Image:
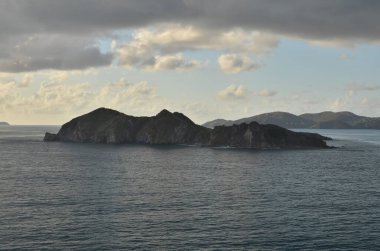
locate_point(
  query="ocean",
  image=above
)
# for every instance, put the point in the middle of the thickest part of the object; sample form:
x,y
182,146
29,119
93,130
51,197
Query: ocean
x,y
65,196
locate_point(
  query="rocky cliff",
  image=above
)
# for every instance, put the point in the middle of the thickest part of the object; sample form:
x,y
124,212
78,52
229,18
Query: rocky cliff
x,y
109,126
258,136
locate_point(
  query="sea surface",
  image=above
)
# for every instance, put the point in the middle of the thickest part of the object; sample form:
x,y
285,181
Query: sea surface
x,y
66,196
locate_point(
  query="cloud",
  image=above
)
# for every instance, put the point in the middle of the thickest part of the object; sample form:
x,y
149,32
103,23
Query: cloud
x,y
265,93
26,80
145,59
40,52
356,88
334,43
122,92
232,63
173,38
233,92
161,48
350,100
49,99
56,34
344,19
176,62
53,102
58,76
6,89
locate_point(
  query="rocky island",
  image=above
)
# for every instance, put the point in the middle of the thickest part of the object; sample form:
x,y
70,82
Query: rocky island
x,y
112,127
4,123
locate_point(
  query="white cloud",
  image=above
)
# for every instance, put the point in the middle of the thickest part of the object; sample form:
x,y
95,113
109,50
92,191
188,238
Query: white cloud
x,y
26,80
356,88
233,92
174,62
58,76
54,102
174,38
145,58
266,93
7,88
131,98
351,100
123,93
232,63
161,48
50,99
338,104
333,43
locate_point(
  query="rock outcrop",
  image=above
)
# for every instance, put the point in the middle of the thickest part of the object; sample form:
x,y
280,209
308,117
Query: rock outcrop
x,y
258,136
109,126
172,128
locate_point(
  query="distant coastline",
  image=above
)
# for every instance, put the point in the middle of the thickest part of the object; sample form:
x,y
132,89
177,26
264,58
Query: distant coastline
x,y
4,124
323,120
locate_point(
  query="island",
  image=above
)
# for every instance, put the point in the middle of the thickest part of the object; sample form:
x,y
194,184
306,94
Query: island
x,y
108,126
323,120
4,123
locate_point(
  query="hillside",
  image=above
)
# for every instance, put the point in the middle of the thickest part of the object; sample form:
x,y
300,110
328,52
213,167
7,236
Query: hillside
x,y
323,120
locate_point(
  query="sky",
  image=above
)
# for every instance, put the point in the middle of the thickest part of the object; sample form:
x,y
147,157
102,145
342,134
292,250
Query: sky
x,y
205,58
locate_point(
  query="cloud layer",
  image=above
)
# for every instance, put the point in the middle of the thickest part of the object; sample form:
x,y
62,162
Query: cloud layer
x,y
56,34
306,18
56,101
161,48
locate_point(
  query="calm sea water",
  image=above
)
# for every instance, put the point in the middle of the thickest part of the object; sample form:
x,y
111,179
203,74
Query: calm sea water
x,y
108,197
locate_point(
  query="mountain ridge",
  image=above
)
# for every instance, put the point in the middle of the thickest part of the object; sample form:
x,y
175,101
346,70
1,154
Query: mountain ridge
x,y
322,120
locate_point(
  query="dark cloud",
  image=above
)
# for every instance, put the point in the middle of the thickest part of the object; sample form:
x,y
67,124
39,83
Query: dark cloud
x,y
71,61
333,18
344,20
51,51
90,16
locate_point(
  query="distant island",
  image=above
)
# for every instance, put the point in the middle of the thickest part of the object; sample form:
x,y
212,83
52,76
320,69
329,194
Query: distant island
x,y
4,124
112,127
323,120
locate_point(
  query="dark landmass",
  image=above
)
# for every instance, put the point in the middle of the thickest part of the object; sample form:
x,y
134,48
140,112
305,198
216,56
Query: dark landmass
x,y
4,124
258,136
109,126
323,120
112,127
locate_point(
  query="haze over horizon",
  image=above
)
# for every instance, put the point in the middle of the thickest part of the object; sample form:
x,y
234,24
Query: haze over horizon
x,y
207,59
